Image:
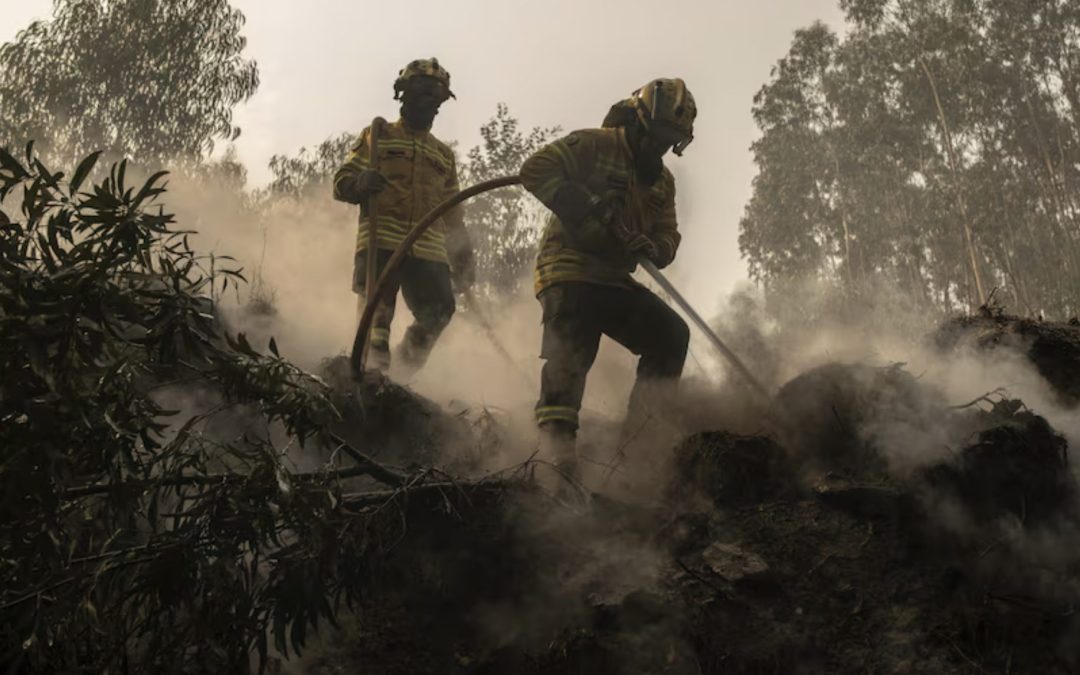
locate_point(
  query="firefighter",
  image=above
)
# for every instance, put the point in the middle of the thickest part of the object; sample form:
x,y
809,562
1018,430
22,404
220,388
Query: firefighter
x,y
416,171
613,203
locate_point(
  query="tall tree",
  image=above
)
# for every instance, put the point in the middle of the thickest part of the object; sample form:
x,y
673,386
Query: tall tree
x,y
153,80
934,149
505,224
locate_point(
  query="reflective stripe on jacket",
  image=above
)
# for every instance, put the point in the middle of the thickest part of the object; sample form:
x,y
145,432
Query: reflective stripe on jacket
x,y
598,161
421,172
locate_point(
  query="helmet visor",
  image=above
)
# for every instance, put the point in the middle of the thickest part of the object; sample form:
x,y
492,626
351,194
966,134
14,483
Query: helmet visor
x,y
681,145
670,135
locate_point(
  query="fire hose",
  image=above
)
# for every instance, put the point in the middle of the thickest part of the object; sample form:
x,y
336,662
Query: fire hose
x,y
372,215
357,358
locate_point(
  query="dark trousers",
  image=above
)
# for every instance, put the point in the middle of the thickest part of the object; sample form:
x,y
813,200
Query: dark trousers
x,y
428,294
576,314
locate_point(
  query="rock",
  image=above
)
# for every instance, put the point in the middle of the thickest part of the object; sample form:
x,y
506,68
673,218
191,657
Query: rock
x,y
733,563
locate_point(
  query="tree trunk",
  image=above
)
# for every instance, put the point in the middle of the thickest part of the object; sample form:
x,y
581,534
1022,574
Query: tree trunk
x,y
969,239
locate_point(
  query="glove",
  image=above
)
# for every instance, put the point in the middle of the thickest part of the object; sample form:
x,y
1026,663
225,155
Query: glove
x,y
573,203
371,182
641,246
610,208
357,189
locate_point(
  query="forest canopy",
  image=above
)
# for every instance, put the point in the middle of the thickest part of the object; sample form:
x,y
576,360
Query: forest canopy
x,y
934,149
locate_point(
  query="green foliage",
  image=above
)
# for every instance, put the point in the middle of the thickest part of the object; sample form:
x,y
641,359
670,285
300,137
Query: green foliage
x,y
310,170
134,536
935,149
149,80
505,224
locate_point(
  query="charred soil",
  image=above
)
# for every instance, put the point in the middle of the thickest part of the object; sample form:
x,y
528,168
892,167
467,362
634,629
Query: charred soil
x,y
804,551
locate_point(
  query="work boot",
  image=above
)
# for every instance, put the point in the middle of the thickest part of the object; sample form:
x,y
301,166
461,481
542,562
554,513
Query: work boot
x,y
409,359
557,445
413,351
378,350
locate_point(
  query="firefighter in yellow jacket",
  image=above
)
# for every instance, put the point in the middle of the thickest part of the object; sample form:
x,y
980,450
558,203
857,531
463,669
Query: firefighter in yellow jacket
x,y
613,202
416,171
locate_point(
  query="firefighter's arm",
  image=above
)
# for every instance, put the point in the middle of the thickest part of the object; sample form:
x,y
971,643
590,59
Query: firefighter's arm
x,y
356,181
553,175
459,246
665,234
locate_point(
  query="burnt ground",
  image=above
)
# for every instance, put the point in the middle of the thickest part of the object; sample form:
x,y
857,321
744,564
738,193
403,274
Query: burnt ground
x,y
804,551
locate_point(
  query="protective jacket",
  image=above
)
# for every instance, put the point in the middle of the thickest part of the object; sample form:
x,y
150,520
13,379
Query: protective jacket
x,y
600,162
421,172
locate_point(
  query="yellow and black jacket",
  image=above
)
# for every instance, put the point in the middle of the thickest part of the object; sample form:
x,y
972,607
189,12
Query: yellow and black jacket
x,y
421,172
600,162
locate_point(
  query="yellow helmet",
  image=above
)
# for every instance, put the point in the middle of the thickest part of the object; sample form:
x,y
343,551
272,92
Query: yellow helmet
x,y
667,105
423,68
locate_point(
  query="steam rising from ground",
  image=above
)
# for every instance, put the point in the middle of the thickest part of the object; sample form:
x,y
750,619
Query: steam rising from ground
x,y
887,331
298,255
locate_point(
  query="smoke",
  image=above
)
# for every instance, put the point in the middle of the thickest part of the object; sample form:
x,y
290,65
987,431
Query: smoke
x,y
783,338
298,257
297,254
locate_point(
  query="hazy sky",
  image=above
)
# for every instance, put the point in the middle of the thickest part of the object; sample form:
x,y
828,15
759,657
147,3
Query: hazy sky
x,y
328,66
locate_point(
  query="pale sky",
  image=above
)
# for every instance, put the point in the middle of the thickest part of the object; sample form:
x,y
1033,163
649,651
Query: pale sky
x,y
328,66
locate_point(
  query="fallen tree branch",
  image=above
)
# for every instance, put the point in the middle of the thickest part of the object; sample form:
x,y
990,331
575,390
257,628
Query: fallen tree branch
x,y
985,398
367,467
375,470
381,497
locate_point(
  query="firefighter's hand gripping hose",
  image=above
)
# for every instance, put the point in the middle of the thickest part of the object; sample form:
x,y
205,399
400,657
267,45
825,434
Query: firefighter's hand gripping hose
x,y
380,287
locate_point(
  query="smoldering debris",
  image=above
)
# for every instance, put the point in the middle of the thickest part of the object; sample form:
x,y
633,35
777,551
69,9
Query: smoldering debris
x,y
733,469
1052,347
844,417
1017,464
837,543
385,419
